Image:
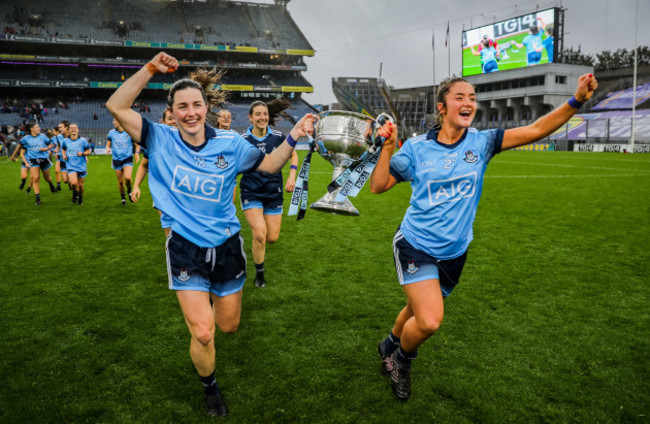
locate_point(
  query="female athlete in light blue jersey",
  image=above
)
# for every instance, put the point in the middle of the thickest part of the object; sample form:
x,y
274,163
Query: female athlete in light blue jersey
x,y
75,153
445,168
489,56
35,150
261,193
120,146
192,174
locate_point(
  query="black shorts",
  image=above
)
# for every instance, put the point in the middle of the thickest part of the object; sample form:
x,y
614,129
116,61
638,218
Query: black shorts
x,y
44,164
119,164
220,270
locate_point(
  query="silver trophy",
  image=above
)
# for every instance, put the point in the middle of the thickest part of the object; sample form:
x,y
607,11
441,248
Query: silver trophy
x,y
342,138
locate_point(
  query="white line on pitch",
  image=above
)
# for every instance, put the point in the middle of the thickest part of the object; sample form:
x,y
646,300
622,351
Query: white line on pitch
x,y
567,176
570,166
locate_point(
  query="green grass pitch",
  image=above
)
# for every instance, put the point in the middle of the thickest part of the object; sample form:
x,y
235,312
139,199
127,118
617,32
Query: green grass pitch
x,y
549,323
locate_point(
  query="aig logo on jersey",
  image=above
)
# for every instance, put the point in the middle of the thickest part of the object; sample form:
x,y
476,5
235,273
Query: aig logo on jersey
x,y
452,190
199,185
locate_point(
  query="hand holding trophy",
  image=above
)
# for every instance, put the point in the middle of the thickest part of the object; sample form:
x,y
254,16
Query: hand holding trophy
x,y
350,142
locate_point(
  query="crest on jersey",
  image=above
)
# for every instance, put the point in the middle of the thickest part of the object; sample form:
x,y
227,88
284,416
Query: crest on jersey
x,y
221,162
183,276
412,269
470,157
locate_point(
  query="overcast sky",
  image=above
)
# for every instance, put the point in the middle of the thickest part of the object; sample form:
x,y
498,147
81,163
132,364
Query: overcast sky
x,y
353,37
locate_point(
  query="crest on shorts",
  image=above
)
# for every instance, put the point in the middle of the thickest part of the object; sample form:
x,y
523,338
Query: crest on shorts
x,y
221,162
412,269
470,157
183,276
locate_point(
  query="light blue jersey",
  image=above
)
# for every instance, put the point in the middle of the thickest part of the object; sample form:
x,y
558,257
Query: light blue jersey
x,y
533,43
446,182
71,147
489,59
121,144
548,45
193,186
32,146
58,139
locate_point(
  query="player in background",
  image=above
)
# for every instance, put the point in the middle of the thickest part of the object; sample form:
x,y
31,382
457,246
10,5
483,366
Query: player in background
x,y
260,192
489,56
35,150
120,146
64,133
75,151
57,154
533,44
24,170
445,168
548,43
224,119
192,168
167,119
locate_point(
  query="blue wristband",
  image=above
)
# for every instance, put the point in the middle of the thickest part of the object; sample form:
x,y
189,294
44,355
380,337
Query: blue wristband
x,y
294,167
291,141
574,103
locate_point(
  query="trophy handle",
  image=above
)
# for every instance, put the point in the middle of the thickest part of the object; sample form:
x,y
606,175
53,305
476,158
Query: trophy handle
x,y
378,140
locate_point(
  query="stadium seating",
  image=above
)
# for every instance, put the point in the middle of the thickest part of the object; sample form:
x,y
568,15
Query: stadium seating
x,y
214,23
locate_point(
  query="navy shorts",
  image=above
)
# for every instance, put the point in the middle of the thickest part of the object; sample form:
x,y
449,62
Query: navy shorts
x,y
80,174
534,58
220,270
271,206
119,164
413,265
44,164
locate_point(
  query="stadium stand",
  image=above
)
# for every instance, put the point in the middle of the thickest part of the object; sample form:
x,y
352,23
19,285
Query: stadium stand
x,y
68,63
622,99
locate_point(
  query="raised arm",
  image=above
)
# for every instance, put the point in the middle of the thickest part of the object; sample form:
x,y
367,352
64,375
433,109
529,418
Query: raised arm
x,y
380,179
274,161
553,120
119,104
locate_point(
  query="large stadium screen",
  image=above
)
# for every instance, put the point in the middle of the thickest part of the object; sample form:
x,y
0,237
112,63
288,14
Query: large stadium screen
x,y
514,43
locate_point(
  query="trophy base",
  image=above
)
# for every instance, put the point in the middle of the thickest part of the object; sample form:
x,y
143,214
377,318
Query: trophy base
x,y
327,204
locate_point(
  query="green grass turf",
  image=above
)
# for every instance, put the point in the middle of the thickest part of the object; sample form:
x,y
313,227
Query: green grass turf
x,y
549,324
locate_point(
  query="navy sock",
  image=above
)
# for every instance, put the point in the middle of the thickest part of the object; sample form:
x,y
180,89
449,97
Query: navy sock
x,y
259,268
390,344
210,384
404,358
